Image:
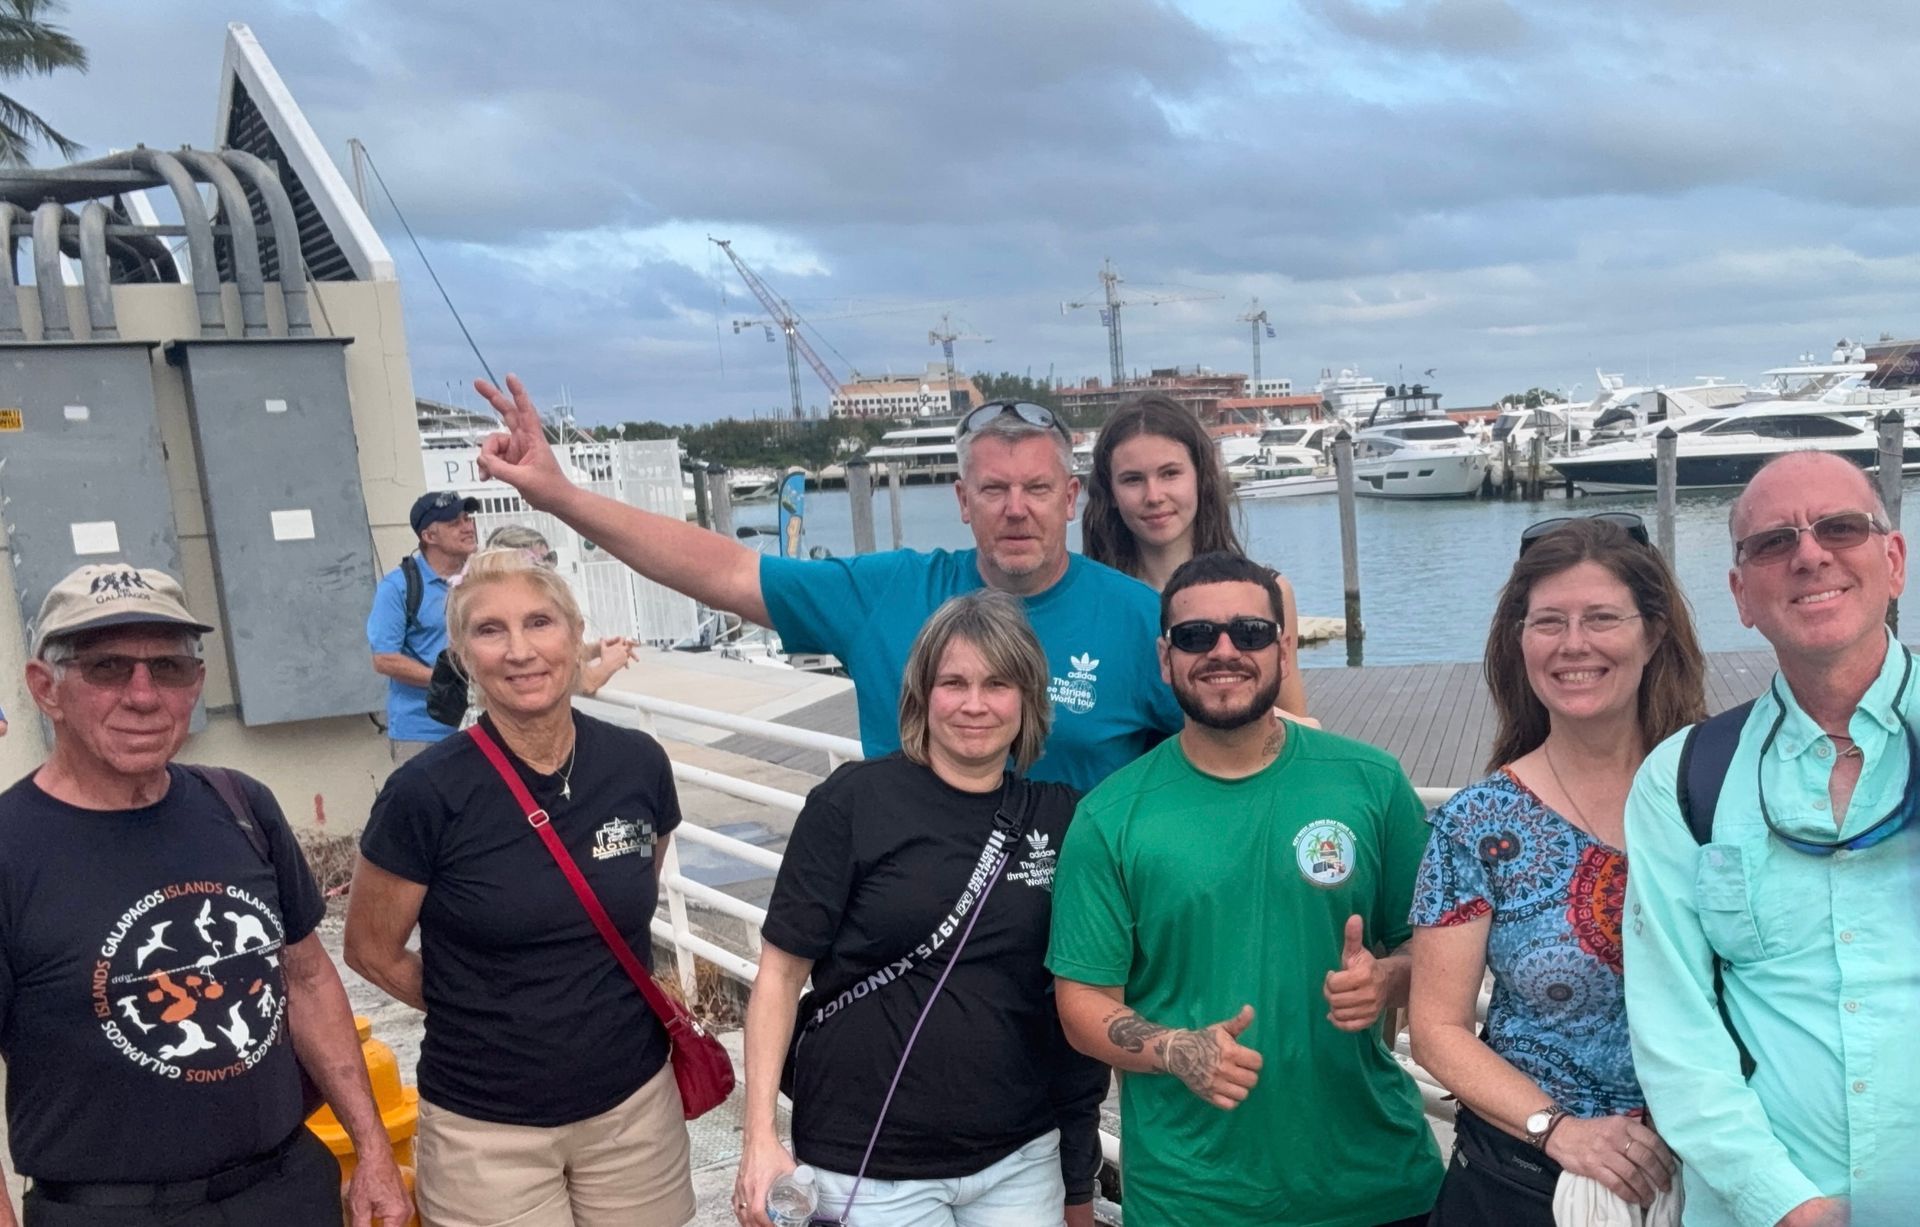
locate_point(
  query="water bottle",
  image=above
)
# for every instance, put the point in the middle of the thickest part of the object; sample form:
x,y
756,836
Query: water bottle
x,y
793,1198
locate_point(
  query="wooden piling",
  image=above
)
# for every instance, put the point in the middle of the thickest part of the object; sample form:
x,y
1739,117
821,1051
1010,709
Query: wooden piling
x,y
893,503
1349,542
1893,455
702,515
1666,483
860,502
1536,466
720,499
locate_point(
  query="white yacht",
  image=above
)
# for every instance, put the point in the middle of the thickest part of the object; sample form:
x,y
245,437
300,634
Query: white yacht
x,y
923,453
1349,394
1291,461
1807,407
1407,448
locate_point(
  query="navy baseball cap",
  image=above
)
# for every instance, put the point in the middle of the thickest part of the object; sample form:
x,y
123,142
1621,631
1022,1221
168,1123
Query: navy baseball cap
x,y
437,506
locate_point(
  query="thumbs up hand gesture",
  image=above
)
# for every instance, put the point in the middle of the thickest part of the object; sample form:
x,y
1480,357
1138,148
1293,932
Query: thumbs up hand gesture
x,y
1356,990
1213,1062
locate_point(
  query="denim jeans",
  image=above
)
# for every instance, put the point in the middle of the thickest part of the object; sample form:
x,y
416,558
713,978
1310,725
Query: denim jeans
x,y
1025,1189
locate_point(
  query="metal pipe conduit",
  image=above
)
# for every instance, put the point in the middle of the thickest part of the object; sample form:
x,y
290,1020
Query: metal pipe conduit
x,y
96,269
10,325
206,273
286,236
243,239
48,282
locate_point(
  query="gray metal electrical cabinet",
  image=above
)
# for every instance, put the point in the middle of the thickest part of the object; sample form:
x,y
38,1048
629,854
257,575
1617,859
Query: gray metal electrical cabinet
x,y
292,551
82,472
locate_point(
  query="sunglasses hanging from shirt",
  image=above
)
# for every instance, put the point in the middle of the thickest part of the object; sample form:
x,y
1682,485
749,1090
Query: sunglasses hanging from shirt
x,y
1897,820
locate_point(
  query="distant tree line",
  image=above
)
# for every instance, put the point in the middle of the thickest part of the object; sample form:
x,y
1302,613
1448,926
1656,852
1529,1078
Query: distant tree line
x,y
1009,386
762,443
1532,398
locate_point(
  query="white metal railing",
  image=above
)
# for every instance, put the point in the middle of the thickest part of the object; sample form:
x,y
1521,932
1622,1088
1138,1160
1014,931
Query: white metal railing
x,y
678,890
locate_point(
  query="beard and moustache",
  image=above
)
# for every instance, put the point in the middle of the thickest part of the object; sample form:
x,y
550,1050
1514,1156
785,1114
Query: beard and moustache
x,y
1190,700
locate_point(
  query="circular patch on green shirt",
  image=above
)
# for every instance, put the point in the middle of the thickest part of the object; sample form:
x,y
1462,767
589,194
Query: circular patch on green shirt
x,y
1324,851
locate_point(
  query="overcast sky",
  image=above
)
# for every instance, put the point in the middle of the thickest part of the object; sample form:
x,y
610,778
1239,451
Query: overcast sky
x,y
1509,193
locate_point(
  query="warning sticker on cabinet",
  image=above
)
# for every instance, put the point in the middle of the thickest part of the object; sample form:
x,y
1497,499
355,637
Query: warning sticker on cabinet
x,y
10,419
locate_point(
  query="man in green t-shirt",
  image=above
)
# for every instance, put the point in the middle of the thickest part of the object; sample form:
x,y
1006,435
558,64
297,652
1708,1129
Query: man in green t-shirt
x,y
1217,911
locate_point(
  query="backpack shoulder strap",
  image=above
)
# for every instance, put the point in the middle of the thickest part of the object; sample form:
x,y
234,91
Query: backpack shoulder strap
x,y
226,782
416,592
1704,758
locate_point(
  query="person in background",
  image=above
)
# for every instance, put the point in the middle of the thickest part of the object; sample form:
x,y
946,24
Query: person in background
x,y
1016,492
545,1095
1786,931
996,1121
407,626
162,981
1591,660
1235,901
1158,496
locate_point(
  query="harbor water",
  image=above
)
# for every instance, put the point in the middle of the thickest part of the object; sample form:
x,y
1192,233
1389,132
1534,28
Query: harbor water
x,y
1429,571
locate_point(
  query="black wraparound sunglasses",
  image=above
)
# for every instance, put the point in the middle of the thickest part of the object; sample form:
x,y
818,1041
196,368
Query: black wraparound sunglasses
x,y
1635,527
1246,634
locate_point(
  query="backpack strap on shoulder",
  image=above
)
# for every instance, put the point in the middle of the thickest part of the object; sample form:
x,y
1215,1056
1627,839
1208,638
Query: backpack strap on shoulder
x,y
226,782
1705,756
416,592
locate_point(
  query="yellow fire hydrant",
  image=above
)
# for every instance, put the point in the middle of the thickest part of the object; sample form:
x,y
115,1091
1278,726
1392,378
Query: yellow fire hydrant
x,y
399,1112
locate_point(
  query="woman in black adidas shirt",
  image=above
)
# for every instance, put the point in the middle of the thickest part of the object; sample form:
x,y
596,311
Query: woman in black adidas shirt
x,y
995,1119
545,1096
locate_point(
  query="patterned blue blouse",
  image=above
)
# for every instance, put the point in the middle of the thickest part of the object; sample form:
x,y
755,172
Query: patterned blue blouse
x,y
1555,892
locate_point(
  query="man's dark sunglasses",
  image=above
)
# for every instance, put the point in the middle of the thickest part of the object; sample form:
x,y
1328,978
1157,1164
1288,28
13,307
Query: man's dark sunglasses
x,y
1246,634
1025,410
112,671
1635,527
1844,530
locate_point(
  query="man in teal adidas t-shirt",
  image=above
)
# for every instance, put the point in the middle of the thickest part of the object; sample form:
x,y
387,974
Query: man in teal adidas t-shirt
x,y
1016,492
1227,917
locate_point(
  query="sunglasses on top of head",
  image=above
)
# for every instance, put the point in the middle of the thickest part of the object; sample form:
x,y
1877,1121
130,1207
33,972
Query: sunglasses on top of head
x,y
1634,526
1843,530
1247,634
1026,411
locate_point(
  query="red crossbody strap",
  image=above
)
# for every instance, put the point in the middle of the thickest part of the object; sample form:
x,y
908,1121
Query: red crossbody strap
x,y
543,827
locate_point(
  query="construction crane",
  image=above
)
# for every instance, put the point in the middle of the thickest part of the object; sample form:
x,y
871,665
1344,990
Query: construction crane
x,y
788,322
944,337
1110,311
1256,319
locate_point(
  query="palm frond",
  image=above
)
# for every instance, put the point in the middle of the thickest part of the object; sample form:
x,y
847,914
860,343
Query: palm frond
x,y
21,130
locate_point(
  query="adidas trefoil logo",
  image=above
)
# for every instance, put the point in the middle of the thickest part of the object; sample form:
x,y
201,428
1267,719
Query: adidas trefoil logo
x,y
1084,663
1037,840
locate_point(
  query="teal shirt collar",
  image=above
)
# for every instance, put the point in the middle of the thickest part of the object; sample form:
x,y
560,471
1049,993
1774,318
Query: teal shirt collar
x,y
1799,733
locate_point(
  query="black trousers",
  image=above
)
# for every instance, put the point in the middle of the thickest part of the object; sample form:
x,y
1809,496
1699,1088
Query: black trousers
x,y
303,1192
1494,1178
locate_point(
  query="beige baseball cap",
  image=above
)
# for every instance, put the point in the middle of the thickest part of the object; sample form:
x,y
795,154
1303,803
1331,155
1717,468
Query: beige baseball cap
x,y
112,594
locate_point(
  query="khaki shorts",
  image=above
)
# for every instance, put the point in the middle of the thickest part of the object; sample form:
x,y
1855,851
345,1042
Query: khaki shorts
x,y
623,1168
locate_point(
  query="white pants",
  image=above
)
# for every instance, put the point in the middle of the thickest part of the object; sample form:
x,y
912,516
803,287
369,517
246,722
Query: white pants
x,y
1025,1189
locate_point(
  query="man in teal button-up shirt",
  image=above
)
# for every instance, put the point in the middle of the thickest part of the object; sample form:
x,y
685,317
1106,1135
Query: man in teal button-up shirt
x,y
1821,948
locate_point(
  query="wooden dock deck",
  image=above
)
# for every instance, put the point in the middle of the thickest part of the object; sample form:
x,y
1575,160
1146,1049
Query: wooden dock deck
x,y
1436,719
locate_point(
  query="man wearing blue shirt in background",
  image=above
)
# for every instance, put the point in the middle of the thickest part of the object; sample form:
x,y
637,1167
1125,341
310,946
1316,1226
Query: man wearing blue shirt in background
x,y
1017,493
1803,902
407,627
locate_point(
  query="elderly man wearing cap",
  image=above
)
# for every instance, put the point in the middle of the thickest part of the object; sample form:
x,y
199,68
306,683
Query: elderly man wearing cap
x,y
407,627
161,982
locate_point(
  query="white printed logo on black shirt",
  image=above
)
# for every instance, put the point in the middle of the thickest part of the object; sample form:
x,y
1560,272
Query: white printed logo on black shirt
x,y
618,837
187,984
1035,866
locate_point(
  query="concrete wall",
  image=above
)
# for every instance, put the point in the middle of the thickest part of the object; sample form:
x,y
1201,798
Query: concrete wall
x,y
325,772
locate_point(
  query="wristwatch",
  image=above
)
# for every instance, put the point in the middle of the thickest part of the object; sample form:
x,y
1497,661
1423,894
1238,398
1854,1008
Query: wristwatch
x,y
1540,1124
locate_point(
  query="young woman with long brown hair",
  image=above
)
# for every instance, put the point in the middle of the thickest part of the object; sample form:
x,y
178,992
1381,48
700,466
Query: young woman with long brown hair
x,y
1159,496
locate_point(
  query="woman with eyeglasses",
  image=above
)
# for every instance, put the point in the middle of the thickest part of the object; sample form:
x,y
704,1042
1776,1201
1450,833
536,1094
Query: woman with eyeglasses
x,y
1158,496
1591,660
916,893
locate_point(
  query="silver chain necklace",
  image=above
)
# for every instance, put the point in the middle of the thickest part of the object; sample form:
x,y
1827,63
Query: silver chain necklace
x,y
566,772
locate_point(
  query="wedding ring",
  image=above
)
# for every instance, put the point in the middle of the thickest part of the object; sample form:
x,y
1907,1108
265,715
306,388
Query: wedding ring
x,y
1631,1143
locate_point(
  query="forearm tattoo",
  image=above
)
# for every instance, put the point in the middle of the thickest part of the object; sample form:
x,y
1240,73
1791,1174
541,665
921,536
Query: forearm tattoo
x,y
1192,1056
1129,1032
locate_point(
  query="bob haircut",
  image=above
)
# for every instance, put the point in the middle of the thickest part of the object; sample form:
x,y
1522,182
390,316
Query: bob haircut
x,y
1105,537
1673,687
500,566
1222,567
997,627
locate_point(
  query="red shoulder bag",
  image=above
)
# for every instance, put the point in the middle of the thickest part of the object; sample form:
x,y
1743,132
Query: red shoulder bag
x,y
701,1066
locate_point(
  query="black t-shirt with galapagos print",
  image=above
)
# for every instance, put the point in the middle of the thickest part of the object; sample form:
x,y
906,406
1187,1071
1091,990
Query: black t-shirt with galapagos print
x,y
142,997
